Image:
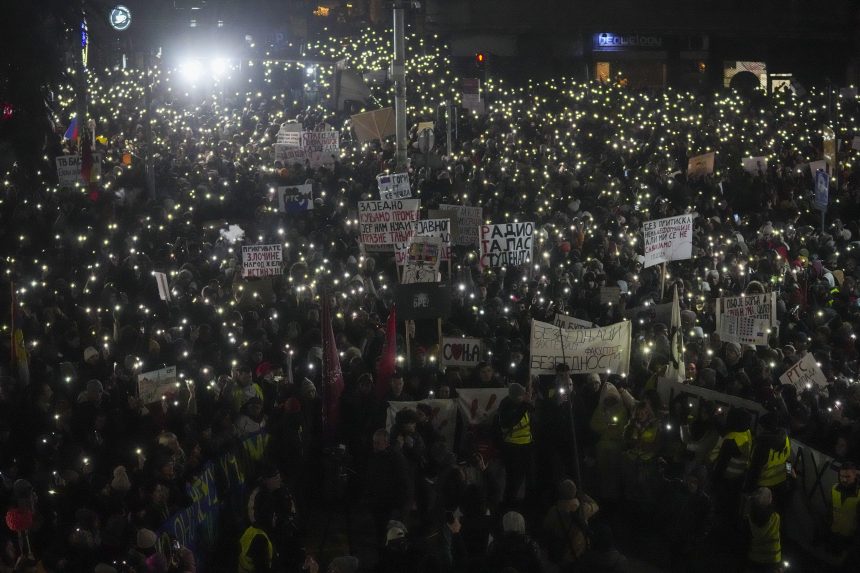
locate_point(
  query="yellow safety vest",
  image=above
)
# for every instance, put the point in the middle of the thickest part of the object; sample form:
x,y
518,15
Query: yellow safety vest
x,y
844,512
521,434
737,465
773,472
765,546
646,439
245,563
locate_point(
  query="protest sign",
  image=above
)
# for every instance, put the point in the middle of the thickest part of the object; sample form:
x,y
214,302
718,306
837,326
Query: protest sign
x,y
443,416
286,155
566,321
669,239
296,199
394,186
376,124
423,300
653,313
385,223
755,165
413,273
804,374
744,330
320,147
822,191
262,260
817,165
424,251
855,143
506,244
828,145
438,228
479,405
163,288
453,222
290,134
457,351
701,165
152,386
69,169
600,350
468,221
762,306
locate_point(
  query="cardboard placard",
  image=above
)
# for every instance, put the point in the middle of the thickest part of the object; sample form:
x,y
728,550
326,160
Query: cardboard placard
x,y
506,244
468,221
394,186
804,374
262,260
152,386
296,199
457,351
385,223
669,239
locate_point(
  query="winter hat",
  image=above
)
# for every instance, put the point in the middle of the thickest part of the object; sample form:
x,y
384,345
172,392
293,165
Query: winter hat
x,y
90,352
515,391
513,521
146,539
566,490
396,530
120,481
95,386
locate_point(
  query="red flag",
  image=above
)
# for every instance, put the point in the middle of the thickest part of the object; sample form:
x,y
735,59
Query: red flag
x,y
388,360
332,376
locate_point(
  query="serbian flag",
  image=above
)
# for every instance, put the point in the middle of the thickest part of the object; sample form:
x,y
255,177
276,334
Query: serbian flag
x,y
72,132
387,361
332,376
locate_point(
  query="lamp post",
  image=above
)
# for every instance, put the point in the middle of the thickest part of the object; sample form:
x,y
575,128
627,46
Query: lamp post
x,y
398,73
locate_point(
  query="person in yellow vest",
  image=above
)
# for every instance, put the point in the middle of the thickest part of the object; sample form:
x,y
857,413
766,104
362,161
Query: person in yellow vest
x,y
256,550
515,419
845,508
770,464
764,553
729,460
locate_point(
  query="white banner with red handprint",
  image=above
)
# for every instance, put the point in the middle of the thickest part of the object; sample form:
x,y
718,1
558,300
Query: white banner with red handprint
x,y
443,416
478,405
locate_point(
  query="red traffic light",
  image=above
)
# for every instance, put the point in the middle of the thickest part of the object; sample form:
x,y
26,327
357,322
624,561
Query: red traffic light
x,y
480,58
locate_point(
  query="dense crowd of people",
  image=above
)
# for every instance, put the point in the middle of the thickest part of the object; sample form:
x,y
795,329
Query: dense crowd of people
x,y
90,473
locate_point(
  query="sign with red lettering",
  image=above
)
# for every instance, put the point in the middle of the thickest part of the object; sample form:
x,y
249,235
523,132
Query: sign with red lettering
x,y
382,224
262,260
457,351
669,239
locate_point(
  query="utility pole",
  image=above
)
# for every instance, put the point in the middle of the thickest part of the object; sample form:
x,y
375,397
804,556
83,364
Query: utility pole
x,y
398,73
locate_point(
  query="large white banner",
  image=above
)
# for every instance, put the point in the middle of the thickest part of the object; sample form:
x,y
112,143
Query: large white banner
x,y
386,223
468,221
457,351
669,239
804,374
478,405
394,186
152,386
443,416
600,350
288,156
506,244
262,260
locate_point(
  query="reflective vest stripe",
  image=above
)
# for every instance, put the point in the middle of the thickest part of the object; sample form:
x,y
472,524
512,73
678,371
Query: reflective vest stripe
x,y
844,512
246,565
773,473
521,434
765,546
738,465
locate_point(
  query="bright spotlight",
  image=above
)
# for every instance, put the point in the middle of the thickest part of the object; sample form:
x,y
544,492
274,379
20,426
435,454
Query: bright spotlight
x,y
219,67
191,70
309,70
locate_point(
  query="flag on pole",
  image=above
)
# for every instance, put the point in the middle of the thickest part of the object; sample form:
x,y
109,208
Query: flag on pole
x,y
676,370
72,131
388,360
332,378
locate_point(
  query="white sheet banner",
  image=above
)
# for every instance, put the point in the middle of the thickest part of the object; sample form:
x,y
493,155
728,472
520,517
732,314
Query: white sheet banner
x,y
288,156
386,223
457,351
506,244
262,260
479,405
804,374
600,350
669,239
394,186
762,306
443,416
468,221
